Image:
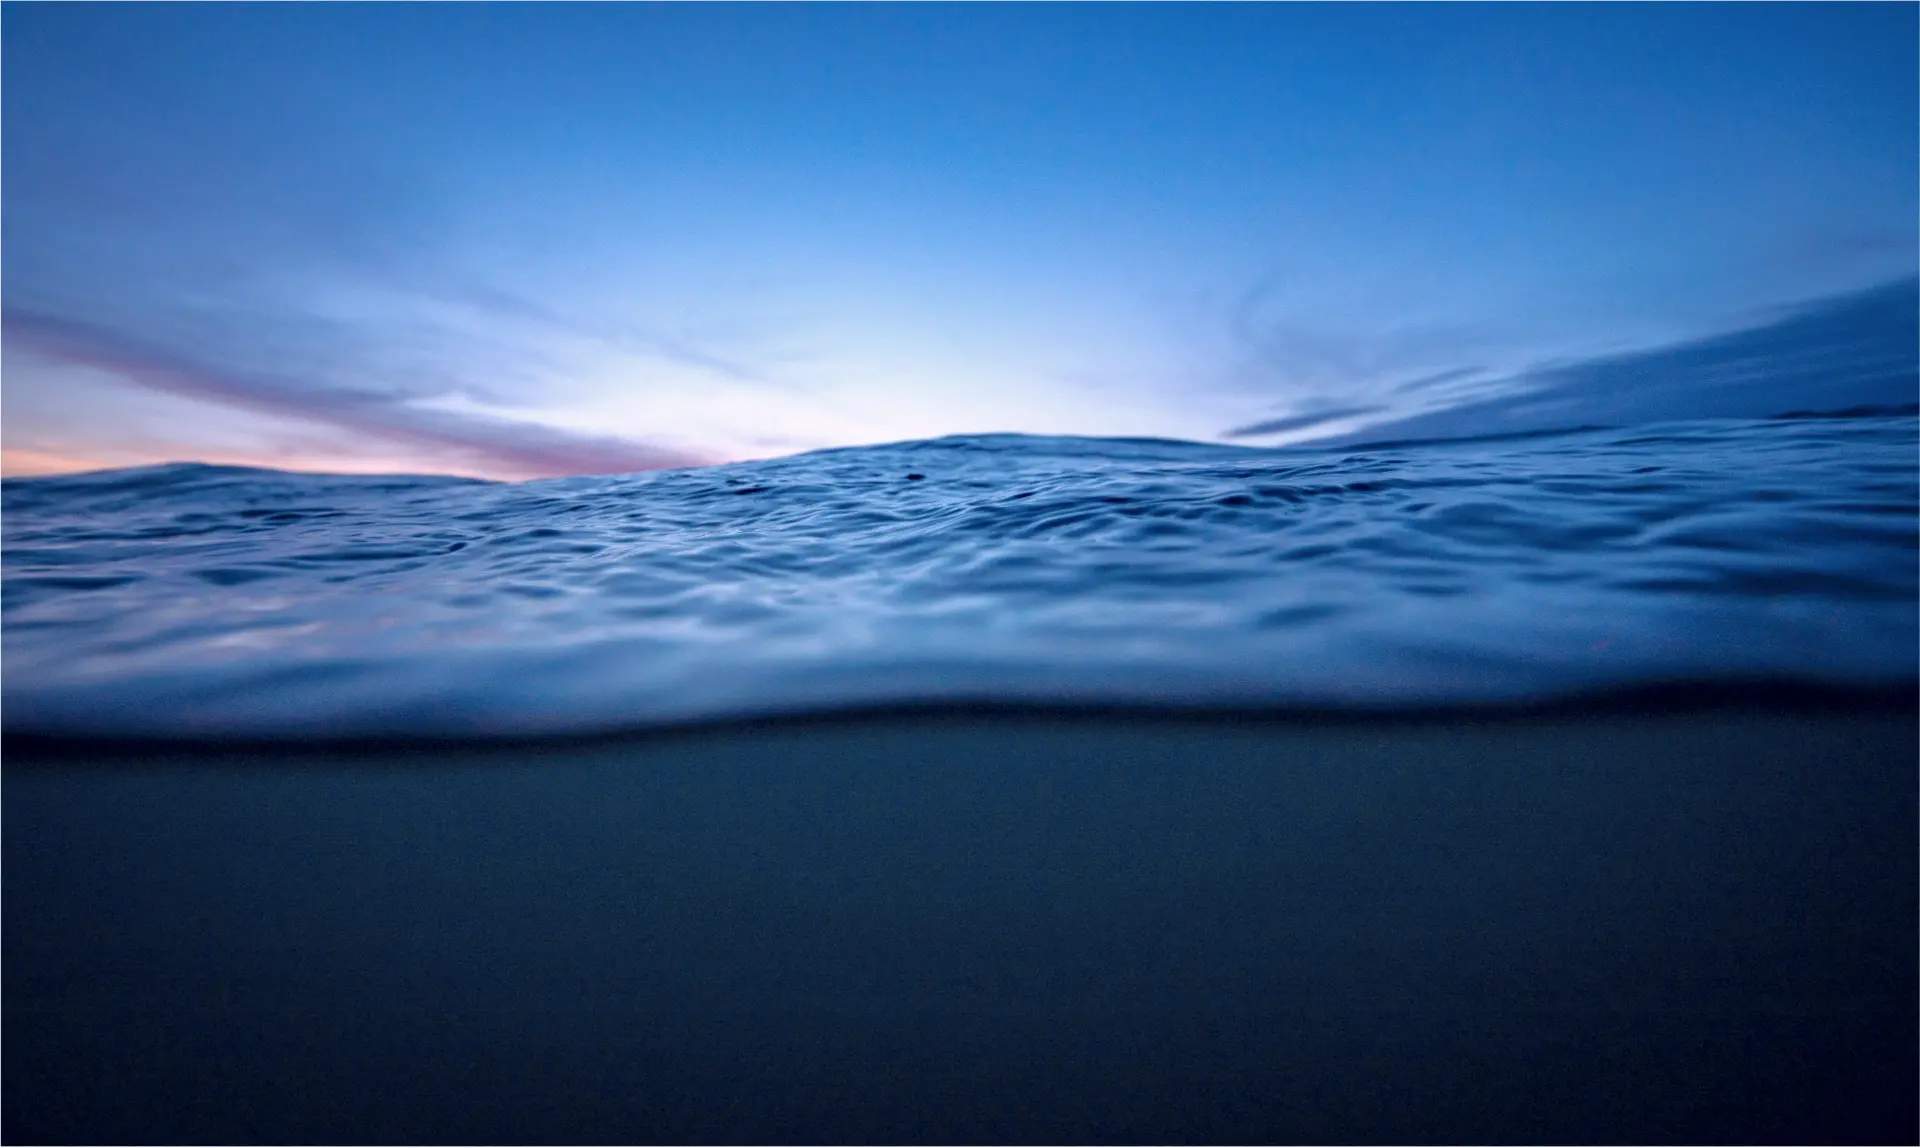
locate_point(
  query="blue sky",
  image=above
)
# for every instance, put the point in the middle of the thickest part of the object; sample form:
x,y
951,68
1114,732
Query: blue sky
x,y
515,240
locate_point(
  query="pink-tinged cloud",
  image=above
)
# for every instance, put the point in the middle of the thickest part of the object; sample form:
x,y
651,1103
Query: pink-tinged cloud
x,y
23,462
428,440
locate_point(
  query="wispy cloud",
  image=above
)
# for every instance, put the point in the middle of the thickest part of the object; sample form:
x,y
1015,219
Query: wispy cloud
x,y
1437,379
501,447
1857,349
628,337
286,259
1317,355
1298,422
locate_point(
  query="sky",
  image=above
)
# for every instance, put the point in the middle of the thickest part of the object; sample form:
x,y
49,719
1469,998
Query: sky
x,y
514,240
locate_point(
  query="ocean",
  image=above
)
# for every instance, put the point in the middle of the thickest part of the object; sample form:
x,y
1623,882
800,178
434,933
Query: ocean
x,y
214,602
1555,786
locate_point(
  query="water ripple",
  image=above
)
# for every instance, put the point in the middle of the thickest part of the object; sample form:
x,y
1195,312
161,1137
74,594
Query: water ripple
x,y
215,600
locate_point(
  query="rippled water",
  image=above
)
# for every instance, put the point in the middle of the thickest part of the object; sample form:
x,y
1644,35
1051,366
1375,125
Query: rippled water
x,y
213,601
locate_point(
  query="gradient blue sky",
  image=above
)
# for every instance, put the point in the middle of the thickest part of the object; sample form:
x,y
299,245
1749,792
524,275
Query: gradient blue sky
x,y
516,240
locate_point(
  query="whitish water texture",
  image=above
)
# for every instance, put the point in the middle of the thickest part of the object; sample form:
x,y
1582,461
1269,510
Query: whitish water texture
x,y
212,601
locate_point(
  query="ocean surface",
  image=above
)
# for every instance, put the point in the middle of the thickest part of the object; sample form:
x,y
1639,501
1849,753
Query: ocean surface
x,y
206,602
1553,787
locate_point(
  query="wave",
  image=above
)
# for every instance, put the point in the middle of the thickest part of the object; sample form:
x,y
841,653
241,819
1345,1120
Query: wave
x,y
223,602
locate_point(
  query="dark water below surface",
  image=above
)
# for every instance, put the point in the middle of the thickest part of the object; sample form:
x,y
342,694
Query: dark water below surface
x,y
1557,788
1678,927
192,601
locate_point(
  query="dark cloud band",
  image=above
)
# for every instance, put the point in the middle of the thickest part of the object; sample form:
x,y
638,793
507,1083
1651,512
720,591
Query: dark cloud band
x,y
500,446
